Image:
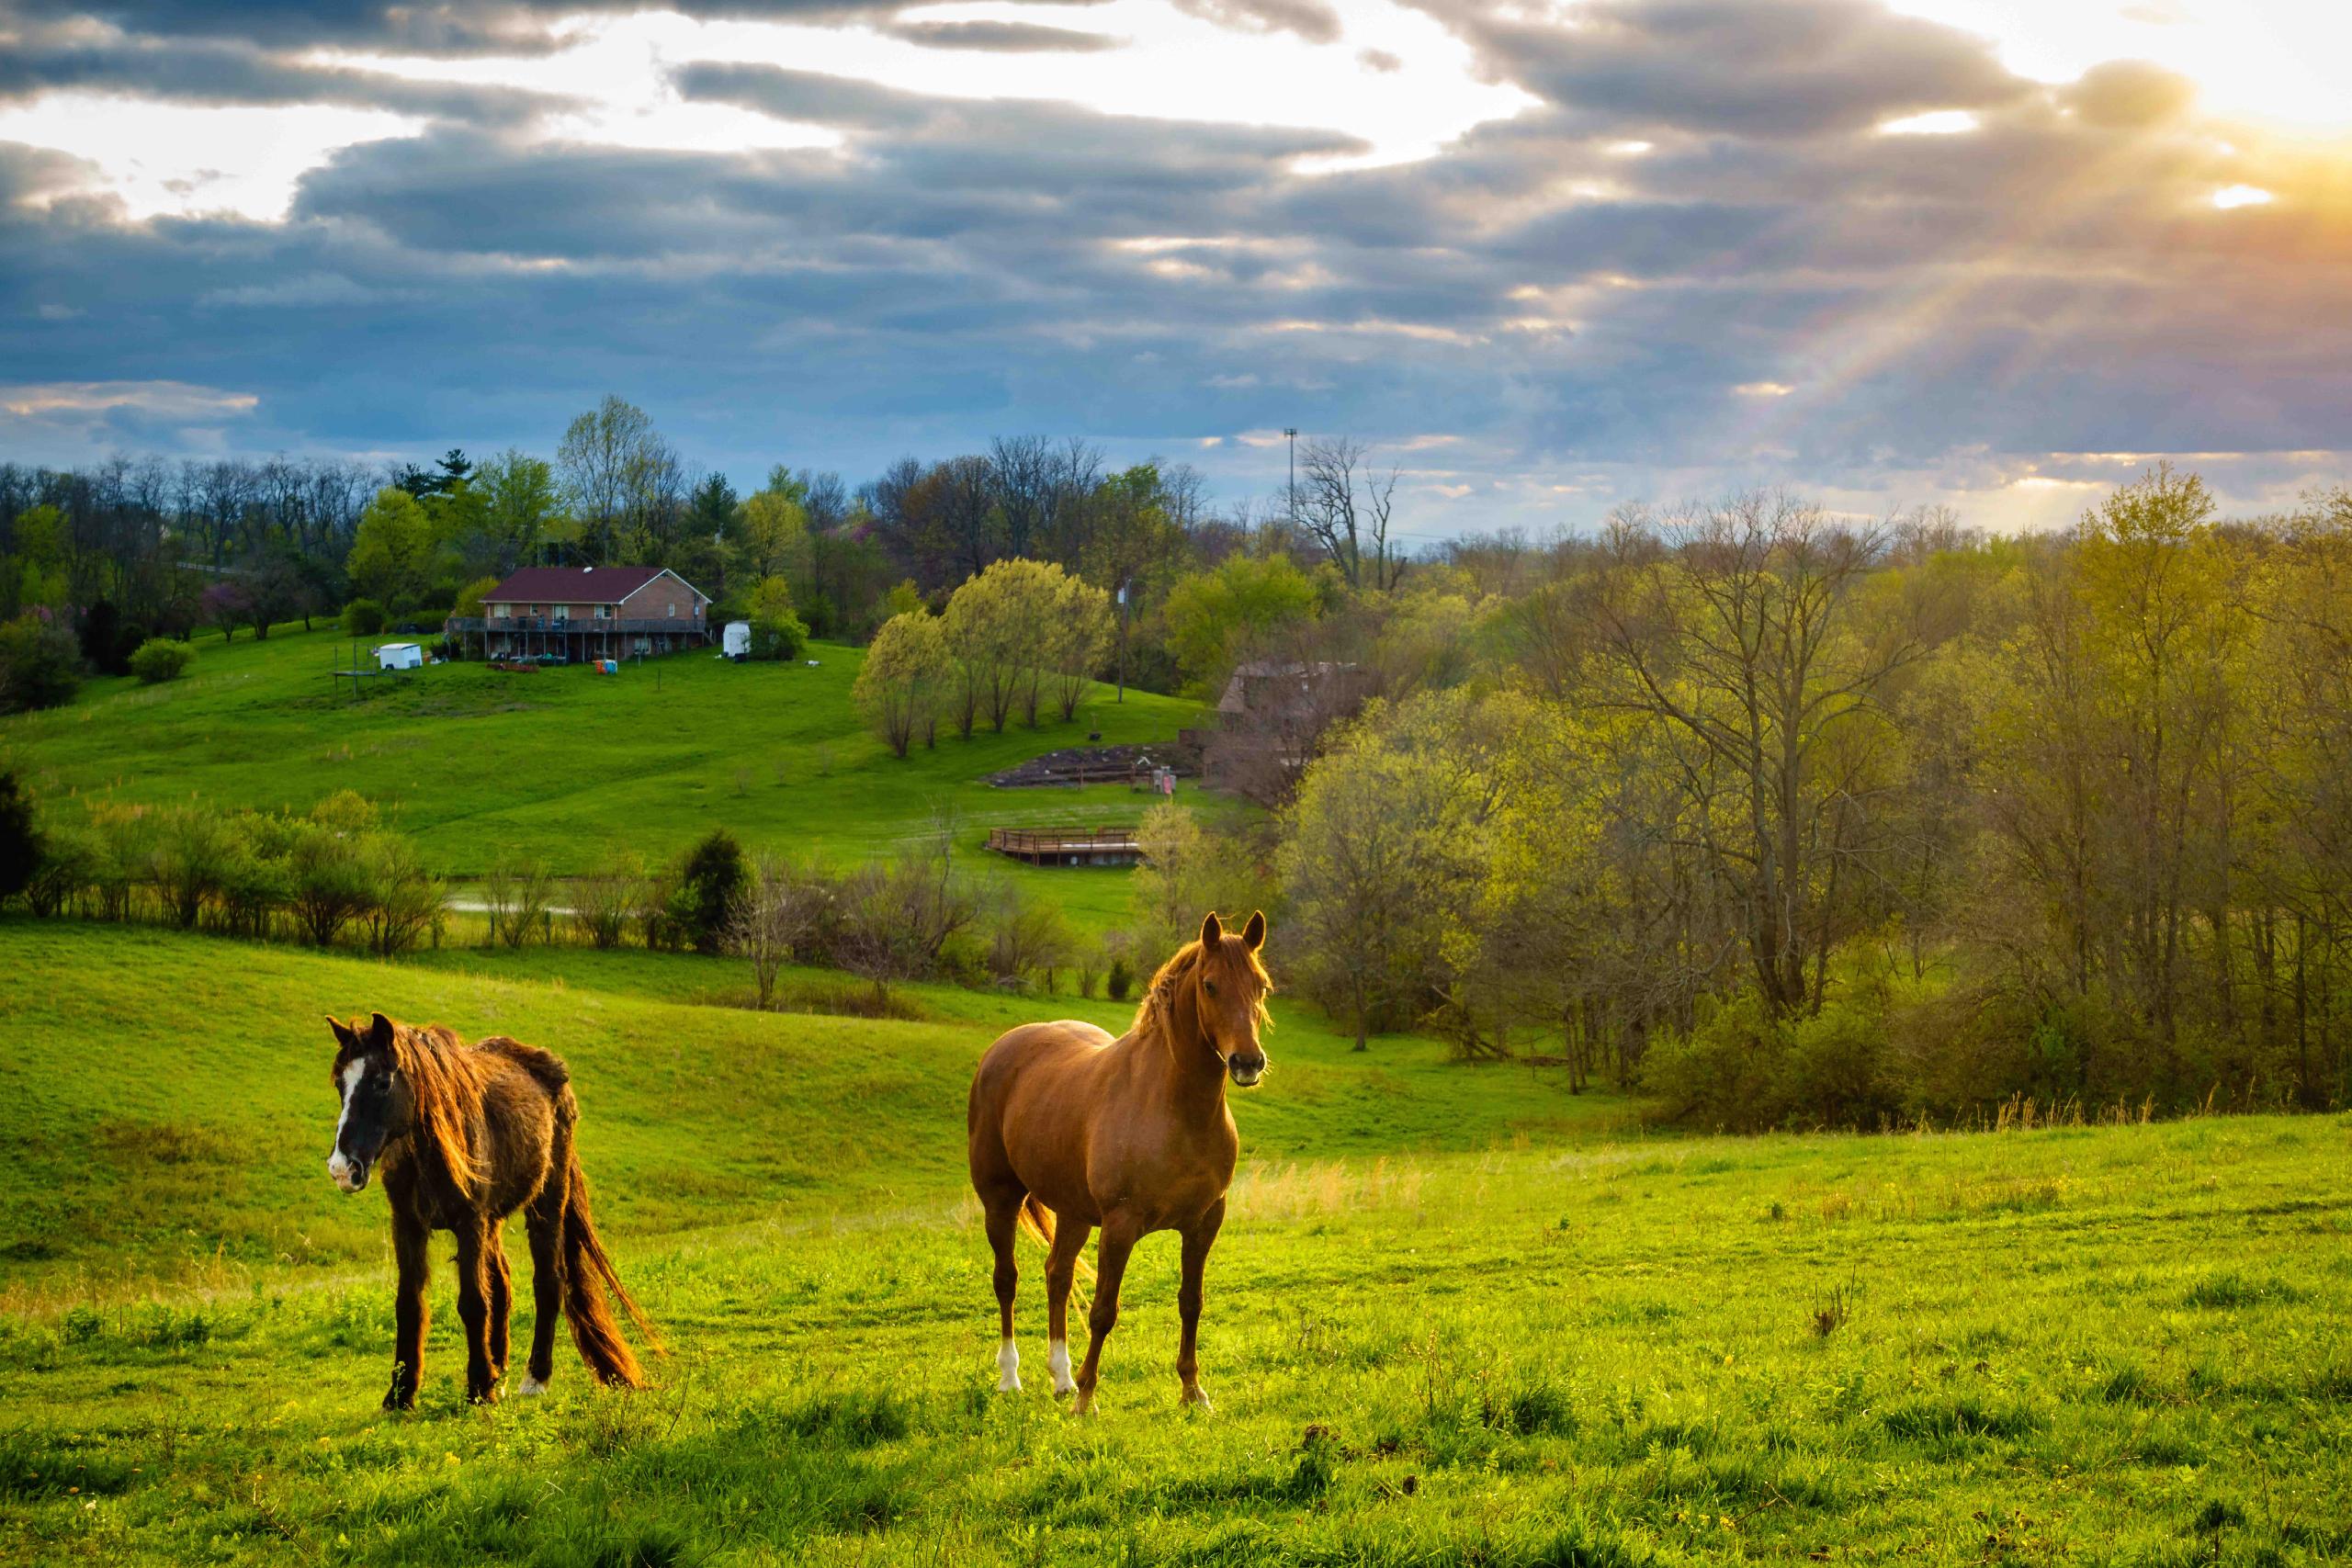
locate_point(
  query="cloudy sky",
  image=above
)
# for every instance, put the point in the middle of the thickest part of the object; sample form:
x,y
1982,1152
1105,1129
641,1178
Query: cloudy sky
x,y
1546,257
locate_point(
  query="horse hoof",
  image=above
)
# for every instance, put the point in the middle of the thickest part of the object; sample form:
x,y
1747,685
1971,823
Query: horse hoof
x,y
1083,1404
530,1387
1194,1399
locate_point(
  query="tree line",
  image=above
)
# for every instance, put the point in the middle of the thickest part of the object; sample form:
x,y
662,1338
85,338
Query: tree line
x,y
96,562
1795,820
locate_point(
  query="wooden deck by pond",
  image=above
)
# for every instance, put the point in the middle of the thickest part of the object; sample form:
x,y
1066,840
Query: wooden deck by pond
x,y
1067,846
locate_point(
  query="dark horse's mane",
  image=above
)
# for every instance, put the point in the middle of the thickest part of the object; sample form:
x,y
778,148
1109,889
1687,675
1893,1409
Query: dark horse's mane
x,y
446,1080
1160,997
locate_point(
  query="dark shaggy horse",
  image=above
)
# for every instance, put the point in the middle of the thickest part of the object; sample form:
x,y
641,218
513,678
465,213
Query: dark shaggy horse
x,y
1070,1129
464,1136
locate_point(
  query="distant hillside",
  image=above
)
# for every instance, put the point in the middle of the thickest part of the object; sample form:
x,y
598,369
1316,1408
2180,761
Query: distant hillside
x,y
562,764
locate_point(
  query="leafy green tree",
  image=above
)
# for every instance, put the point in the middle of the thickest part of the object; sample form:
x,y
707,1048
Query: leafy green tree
x,y
40,666
1212,616
522,507
905,681
391,556
778,631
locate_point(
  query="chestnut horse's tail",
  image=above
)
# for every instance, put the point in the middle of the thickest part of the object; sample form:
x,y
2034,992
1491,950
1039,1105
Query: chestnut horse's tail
x,y
1038,1221
588,1275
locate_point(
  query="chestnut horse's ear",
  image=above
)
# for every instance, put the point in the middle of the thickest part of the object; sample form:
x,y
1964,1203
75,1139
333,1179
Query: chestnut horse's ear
x,y
344,1036
1211,931
379,1032
1254,935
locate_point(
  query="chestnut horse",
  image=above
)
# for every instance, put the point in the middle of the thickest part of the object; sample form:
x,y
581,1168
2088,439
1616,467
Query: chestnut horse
x,y
466,1136
1070,1129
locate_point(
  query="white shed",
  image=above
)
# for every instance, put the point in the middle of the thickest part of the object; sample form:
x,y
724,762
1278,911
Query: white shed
x,y
400,656
738,639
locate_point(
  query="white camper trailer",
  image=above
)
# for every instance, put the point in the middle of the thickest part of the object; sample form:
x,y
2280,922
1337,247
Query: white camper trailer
x,y
738,639
400,656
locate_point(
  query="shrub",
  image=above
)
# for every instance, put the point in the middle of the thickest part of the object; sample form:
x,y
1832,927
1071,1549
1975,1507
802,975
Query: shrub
x,y
1121,980
782,636
20,839
363,618
710,879
160,659
40,666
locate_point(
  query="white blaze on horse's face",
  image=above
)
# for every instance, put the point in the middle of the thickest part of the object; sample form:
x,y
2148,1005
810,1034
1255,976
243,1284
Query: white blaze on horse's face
x,y
348,1175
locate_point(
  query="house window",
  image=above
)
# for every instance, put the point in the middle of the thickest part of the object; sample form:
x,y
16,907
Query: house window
x,y
673,609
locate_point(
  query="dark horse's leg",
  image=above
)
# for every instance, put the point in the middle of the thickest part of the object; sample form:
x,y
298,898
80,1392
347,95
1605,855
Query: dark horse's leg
x,y
543,1222
1198,1239
1004,1220
1120,1234
1061,1267
408,1239
502,1299
474,1307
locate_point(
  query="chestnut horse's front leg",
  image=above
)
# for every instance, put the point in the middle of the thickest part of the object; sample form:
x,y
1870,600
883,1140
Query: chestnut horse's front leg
x,y
473,1308
1198,1238
408,1239
1120,1234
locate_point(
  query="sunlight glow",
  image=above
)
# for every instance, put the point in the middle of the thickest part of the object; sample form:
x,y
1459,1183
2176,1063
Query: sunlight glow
x,y
1937,122
2274,62
2241,196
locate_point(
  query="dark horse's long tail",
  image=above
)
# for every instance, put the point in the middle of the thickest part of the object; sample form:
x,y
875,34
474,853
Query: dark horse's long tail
x,y
588,1275
1038,1221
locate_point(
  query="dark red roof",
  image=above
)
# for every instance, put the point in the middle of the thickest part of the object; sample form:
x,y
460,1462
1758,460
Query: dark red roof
x,y
573,584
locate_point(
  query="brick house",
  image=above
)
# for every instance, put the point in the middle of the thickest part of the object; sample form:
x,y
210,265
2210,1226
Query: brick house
x,y
587,612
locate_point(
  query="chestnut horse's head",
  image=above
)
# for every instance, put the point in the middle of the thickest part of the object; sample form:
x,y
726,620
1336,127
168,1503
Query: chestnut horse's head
x,y
379,1104
1229,988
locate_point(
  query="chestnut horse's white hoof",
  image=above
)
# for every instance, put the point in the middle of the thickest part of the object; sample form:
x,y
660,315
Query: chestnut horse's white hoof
x,y
1197,1398
1057,1358
530,1388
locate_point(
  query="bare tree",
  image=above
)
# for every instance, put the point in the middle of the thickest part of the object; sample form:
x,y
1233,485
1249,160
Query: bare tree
x,y
1344,507
778,909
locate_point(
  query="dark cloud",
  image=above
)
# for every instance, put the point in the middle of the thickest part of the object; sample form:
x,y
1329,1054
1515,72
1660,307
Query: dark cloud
x,y
206,72
1003,38
2056,280
1786,68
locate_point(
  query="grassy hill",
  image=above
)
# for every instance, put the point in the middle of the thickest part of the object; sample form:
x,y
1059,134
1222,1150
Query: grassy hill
x,y
171,1111
1457,1318
563,765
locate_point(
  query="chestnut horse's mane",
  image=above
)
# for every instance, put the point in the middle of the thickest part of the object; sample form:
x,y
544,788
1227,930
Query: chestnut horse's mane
x,y
1160,997
447,1081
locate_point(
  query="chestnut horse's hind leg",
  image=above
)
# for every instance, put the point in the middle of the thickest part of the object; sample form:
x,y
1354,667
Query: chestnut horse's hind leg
x,y
1003,1217
1119,1238
502,1301
409,1242
1198,1239
473,1308
543,1223
1061,1267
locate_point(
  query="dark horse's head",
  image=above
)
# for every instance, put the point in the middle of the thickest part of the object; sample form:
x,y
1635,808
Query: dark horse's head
x,y
1229,988
379,1104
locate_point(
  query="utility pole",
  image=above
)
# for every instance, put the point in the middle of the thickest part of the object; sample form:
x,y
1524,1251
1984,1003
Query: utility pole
x,y
1122,640
1290,434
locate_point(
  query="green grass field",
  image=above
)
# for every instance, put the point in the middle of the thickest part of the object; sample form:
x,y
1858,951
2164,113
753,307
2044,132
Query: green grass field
x,y
566,766
1458,1316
